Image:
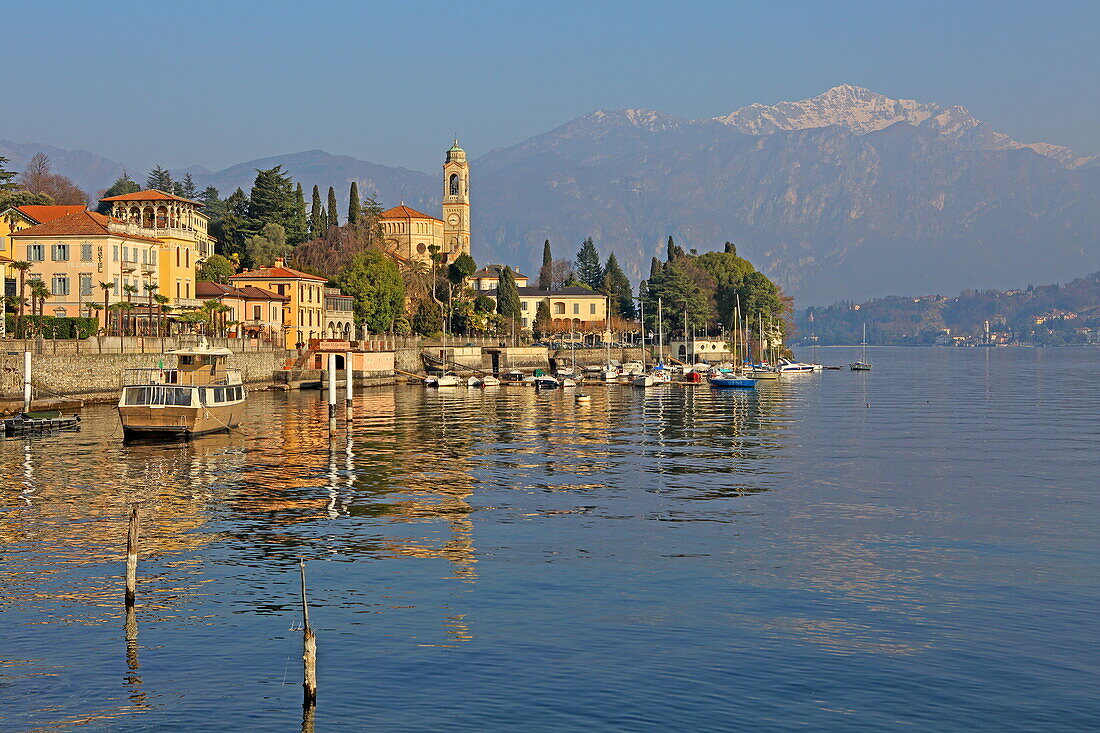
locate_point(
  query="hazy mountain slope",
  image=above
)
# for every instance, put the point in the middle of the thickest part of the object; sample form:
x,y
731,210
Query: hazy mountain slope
x,y
89,171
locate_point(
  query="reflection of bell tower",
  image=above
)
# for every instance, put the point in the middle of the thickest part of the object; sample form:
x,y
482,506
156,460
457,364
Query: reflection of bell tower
x,y
456,203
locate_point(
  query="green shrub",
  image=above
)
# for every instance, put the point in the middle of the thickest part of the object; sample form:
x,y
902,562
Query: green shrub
x,y
52,327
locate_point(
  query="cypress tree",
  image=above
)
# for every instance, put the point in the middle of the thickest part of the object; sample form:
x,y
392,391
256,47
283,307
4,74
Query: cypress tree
x,y
616,286
673,250
587,268
355,206
546,272
543,321
301,221
333,217
316,216
272,201
508,303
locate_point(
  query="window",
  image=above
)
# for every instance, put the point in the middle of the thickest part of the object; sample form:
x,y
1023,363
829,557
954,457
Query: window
x,y
454,190
125,254
524,306
559,308
144,257
152,257
257,310
114,253
525,323
60,285
60,252
86,252
592,308
280,289
85,284
576,308
177,256
36,253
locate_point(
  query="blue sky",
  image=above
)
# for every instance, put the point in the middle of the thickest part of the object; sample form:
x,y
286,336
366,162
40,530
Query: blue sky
x,y
213,83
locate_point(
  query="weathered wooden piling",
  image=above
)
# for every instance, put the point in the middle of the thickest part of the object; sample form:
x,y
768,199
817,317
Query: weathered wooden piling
x,y
26,381
309,649
332,393
131,558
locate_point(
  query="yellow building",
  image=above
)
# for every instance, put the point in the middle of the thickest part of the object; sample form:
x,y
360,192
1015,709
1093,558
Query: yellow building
x,y
578,310
182,230
411,234
488,277
304,313
73,254
21,217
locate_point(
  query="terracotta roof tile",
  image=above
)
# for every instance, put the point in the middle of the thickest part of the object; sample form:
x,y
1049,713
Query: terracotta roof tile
x,y
80,224
277,272
207,289
43,214
150,194
404,212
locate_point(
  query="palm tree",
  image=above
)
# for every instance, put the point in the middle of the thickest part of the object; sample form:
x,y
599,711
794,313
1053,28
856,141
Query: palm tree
x,y
22,267
39,292
150,290
124,310
162,303
107,288
130,290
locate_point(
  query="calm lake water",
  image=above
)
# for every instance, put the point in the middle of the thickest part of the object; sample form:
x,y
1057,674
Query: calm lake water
x,y
910,548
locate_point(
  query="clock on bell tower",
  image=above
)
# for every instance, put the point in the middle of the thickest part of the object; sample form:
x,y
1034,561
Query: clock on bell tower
x,y
456,203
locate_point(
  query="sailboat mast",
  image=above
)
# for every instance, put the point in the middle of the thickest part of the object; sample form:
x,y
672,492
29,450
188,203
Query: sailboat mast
x,y
660,333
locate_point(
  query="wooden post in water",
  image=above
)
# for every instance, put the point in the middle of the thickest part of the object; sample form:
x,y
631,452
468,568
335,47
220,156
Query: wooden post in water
x,y
131,558
26,381
332,393
348,372
309,649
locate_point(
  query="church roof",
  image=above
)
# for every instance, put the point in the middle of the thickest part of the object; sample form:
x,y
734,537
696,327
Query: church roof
x,y
150,194
404,212
79,224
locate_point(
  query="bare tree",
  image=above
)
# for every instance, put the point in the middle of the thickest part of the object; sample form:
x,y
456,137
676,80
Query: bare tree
x,y
38,178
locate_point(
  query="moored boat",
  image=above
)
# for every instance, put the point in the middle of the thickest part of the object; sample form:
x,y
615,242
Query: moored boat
x,y
199,395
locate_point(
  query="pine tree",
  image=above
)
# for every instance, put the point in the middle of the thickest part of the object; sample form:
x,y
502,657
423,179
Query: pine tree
x,y
160,179
673,250
316,216
616,286
273,201
546,272
122,185
333,217
543,320
6,176
209,197
355,206
186,188
232,230
587,267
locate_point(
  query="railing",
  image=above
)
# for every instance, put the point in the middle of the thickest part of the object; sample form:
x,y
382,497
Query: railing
x,y
187,378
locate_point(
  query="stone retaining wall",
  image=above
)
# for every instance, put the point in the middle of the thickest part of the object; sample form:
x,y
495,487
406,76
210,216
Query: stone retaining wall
x,y
95,377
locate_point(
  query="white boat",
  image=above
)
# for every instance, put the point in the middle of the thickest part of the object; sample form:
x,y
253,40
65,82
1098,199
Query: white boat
x,y
758,372
489,381
644,380
445,380
199,395
566,372
862,365
546,381
609,373
567,382
786,366
633,368
474,382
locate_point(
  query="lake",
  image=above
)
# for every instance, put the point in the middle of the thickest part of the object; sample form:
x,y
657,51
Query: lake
x,y
915,547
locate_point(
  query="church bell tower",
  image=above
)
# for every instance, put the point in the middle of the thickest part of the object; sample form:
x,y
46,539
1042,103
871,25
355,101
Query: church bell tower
x,y
456,203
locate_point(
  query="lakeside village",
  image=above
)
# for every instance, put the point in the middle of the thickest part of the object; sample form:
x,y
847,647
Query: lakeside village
x,y
282,294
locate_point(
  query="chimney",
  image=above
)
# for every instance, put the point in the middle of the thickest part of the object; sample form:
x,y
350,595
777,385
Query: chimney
x,y
280,262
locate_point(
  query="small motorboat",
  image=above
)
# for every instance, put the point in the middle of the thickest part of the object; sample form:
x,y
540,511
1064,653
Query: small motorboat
x,y
633,368
546,381
644,380
567,382
513,376
474,382
786,366
860,366
763,371
489,381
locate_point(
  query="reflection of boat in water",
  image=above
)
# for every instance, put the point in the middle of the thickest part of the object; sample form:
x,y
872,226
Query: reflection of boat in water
x,y
40,422
200,395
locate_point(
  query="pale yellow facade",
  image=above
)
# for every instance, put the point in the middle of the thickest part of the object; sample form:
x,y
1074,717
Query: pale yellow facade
x,y
411,235
571,309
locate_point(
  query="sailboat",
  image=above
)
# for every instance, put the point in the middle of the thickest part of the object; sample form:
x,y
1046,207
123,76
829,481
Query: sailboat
x,y
762,369
862,365
734,379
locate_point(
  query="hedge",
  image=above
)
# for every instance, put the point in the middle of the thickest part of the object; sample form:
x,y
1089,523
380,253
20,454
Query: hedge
x,y
52,327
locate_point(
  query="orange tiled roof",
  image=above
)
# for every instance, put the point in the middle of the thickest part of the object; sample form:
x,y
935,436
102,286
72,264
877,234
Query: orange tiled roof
x,y
277,272
404,212
207,289
150,194
79,224
43,214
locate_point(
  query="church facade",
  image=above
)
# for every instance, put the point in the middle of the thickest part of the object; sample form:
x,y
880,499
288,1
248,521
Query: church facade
x,y
413,235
